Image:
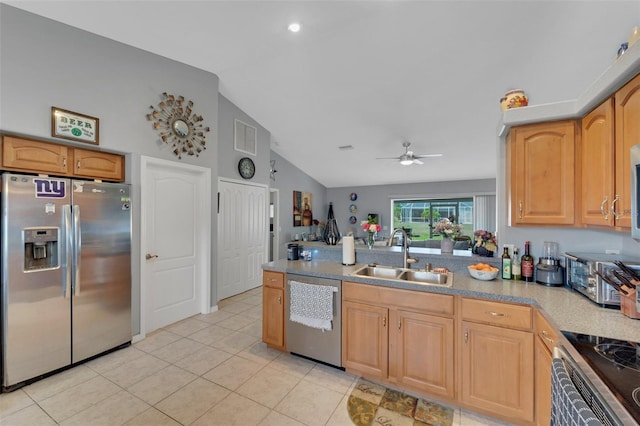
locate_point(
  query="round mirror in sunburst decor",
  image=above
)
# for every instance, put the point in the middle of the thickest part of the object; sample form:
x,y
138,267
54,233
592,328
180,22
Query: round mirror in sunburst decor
x,y
178,125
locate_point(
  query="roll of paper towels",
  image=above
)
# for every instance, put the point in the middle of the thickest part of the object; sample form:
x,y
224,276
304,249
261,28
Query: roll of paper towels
x,y
348,250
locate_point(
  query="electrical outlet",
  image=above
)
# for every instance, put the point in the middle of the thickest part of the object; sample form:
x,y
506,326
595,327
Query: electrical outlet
x,y
612,251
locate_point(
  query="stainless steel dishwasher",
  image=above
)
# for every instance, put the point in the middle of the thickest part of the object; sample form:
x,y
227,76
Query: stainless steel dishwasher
x,y
324,346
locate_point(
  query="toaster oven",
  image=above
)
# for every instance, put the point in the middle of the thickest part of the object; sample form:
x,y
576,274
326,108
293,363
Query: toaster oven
x,y
581,275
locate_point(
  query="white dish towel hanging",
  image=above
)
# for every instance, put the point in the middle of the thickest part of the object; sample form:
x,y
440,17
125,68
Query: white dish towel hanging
x,y
311,304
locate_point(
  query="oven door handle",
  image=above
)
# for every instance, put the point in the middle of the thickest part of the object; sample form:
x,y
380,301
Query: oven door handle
x,y
576,259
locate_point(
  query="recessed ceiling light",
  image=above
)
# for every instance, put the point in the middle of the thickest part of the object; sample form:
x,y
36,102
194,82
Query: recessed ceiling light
x,y
345,147
294,27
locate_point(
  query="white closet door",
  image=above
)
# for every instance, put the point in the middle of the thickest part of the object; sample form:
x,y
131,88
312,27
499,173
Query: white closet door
x,y
242,236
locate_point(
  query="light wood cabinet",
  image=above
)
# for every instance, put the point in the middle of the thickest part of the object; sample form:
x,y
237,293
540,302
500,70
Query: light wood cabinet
x,y
33,156
28,155
424,352
273,309
546,339
497,363
541,173
365,339
627,113
399,336
598,166
98,165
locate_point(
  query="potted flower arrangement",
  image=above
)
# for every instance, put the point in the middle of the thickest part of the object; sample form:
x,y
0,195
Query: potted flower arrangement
x,y
448,229
372,227
486,243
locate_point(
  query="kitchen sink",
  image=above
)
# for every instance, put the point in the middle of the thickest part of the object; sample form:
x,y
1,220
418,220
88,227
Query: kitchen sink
x,y
387,272
425,277
408,275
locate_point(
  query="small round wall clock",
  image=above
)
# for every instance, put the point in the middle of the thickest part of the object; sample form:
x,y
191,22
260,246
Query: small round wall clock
x,y
246,168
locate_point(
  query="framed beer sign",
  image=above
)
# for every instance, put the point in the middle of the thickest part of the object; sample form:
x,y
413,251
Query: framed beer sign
x,y
73,126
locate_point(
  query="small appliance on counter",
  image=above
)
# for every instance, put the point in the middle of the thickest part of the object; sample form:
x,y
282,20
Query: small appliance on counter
x,y
549,272
584,274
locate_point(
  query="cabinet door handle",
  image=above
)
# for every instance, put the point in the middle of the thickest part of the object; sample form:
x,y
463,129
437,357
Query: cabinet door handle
x,y
546,337
520,209
78,165
602,206
279,300
466,335
616,215
495,314
399,324
384,322
64,162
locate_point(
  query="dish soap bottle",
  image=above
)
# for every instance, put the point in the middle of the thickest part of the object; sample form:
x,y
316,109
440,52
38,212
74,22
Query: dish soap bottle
x,y
506,264
516,268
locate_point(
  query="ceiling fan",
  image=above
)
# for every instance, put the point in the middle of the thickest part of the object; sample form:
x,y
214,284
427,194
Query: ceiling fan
x,y
409,157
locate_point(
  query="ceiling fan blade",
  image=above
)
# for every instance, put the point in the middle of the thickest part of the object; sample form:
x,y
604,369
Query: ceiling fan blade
x,y
387,158
416,161
427,155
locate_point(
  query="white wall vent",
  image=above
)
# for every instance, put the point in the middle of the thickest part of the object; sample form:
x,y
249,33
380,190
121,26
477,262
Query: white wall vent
x,y
245,137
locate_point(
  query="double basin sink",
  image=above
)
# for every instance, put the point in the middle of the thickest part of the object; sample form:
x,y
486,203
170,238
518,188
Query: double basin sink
x,y
416,276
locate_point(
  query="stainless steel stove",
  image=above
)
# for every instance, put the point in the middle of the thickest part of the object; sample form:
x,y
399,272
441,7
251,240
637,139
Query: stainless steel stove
x,y
617,363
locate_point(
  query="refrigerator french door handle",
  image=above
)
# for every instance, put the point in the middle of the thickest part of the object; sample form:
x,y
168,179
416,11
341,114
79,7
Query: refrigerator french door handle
x,y
77,247
68,250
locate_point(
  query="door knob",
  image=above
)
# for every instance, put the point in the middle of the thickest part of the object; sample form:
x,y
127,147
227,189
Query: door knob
x,y
150,256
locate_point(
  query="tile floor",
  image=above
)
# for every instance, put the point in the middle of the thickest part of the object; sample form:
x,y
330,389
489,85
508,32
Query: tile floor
x,y
206,370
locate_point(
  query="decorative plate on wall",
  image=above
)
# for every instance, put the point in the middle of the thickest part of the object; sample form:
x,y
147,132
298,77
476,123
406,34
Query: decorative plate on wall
x,y
353,196
353,208
352,220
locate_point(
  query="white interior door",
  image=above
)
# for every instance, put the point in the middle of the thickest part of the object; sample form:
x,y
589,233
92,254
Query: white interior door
x,y
175,241
242,236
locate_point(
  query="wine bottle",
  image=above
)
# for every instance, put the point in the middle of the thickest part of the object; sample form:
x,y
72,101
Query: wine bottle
x,y
527,264
516,269
506,264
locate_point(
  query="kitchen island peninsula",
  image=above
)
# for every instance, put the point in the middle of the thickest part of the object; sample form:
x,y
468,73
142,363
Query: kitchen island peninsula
x,y
472,331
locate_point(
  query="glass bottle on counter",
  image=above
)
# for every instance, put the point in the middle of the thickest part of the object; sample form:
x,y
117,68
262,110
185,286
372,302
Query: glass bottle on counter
x,y
527,264
506,264
516,267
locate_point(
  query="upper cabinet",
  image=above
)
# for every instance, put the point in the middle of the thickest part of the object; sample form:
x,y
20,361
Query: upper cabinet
x,y
91,164
27,155
598,164
541,172
627,134
608,132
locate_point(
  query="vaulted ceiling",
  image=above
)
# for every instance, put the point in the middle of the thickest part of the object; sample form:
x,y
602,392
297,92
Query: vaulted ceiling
x,y
373,74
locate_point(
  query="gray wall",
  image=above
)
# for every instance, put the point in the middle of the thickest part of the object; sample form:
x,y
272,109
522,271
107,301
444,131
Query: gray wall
x,y
228,157
377,199
45,63
288,179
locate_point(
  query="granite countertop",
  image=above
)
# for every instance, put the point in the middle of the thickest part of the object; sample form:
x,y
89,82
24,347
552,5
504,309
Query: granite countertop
x,y
566,309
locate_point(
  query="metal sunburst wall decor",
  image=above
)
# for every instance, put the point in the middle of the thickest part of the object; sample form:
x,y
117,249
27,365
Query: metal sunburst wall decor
x,y
178,125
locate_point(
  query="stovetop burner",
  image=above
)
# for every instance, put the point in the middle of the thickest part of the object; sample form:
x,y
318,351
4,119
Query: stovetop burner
x,y
623,354
617,364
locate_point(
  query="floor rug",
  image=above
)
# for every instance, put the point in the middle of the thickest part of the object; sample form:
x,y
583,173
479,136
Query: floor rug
x,y
372,404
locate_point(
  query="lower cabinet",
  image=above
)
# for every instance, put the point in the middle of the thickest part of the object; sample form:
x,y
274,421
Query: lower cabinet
x,y
497,361
546,339
399,336
365,338
273,309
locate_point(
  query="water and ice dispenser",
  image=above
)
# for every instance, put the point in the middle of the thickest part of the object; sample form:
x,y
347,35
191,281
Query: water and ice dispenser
x,y
40,248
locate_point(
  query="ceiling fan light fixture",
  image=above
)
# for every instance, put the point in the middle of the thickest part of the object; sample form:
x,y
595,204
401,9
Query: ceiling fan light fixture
x,y
294,27
405,160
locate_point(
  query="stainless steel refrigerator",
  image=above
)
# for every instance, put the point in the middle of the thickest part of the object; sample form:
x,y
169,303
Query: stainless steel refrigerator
x,y
66,273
